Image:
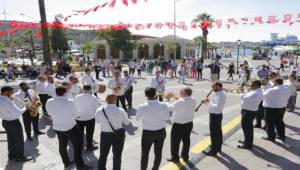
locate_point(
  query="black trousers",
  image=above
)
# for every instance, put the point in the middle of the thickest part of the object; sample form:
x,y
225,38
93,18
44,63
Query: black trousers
x,y
28,120
216,135
89,125
15,138
72,135
247,126
121,99
274,119
199,71
97,71
148,139
181,132
260,114
128,96
44,98
107,141
160,98
131,71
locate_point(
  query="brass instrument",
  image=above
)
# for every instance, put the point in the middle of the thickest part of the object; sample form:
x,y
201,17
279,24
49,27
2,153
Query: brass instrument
x,y
239,90
117,88
34,108
169,95
102,88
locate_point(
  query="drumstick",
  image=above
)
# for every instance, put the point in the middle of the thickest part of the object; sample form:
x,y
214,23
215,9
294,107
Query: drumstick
x,y
196,110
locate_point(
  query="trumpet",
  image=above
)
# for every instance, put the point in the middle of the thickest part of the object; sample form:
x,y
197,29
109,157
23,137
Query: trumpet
x,y
34,108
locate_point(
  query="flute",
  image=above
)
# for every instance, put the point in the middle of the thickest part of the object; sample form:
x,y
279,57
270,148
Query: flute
x,y
196,110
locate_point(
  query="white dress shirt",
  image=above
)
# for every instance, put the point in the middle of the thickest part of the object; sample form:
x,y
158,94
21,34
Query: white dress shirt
x,y
87,105
132,64
88,80
112,84
42,87
75,90
9,110
51,90
158,83
21,96
153,114
128,81
292,85
251,100
217,103
183,110
276,97
117,117
63,112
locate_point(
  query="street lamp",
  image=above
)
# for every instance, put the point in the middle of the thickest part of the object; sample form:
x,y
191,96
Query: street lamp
x,y
175,46
160,45
238,55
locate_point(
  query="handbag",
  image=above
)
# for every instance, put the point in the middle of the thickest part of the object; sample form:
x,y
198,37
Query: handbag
x,y
118,133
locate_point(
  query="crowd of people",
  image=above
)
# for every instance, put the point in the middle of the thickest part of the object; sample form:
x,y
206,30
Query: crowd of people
x,y
73,106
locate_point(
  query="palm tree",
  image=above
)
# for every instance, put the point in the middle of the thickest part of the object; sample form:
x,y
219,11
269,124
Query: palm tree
x,y
200,41
46,46
201,18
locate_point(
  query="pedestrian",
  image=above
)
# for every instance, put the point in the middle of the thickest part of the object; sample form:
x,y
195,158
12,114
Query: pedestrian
x,y
132,66
214,71
194,70
263,72
230,71
199,69
129,80
174,68
293,86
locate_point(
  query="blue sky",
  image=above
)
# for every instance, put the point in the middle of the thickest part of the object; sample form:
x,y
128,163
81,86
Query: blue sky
x,y
162,11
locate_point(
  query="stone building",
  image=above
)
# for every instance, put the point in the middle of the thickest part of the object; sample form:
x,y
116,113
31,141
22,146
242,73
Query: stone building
x,y
149,48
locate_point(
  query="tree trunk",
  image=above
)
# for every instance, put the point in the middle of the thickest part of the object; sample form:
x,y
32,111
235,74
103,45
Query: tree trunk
x,y
204,46
46,47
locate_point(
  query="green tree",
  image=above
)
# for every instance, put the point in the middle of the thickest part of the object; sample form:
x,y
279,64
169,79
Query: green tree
x,y
87,48
59,42
118,39
46,44
201,18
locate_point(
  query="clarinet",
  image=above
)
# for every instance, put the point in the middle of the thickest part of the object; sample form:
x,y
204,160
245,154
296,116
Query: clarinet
x,y
196,110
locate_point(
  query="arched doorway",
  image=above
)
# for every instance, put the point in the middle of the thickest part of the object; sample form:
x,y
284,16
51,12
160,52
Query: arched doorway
x,y
143,51
115,53
178,52
101,52
159,50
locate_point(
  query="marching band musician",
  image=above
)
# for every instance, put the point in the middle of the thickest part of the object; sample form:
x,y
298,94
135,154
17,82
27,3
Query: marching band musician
x,y
117,85
293,85
215,107
111,119
68,87
154,115
75,88
182,118
87,79
64,112
249,104
51,87
28,96
275,103
42,90
159,83
87,105
129,88
10,113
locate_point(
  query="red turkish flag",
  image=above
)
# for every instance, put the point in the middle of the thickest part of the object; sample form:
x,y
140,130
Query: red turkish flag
x,y
232,20
258,20
272,19
103,5
134,1
170,25
148,25
125,2
219,23
287,18
66,19
194,24
112,4
159,25
96,8
181,25
86,12
1,33
245,20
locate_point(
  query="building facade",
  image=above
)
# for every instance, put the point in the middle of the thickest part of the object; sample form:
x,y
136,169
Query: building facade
x,y
149,48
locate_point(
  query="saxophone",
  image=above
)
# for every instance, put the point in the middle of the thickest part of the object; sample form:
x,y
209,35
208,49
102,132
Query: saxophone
x,y
35,107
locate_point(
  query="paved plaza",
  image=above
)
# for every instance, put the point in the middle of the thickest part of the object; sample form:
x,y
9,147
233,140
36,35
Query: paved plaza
x,y
265,155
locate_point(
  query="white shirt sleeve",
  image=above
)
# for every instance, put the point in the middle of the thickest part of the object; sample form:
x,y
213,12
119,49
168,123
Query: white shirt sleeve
x,y
125,118
15,109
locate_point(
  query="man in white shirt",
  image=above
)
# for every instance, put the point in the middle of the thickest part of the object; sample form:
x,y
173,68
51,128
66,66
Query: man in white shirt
x,y
64,112
131,65
28,96
293,86
97,65
111,119
128,88
118,85
51,87
87,105
275,102
249,104
75,88
87,79
183,115
159,83
174,68
42,90
216,106
10,114
154,116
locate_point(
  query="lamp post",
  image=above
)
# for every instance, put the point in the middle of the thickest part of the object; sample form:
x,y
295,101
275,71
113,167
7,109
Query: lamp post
x,y
160,45
238,55
175,46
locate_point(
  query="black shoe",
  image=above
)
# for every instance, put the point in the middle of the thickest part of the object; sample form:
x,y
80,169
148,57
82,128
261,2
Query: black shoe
x,y
176,161
241,141
39,133
11,158
244,147
23,159
83,167
209,153
257,126
69,165
91,149
268,139
186,159
282,139
29,138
